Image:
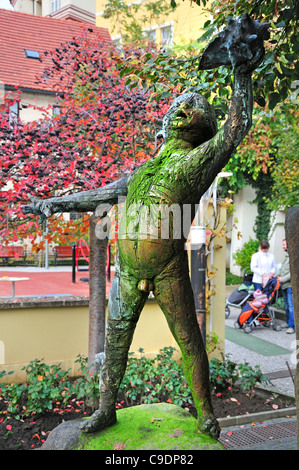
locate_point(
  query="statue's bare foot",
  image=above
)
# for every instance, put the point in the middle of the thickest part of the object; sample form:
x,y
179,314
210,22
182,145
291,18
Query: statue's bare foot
x,y
209,425
100,419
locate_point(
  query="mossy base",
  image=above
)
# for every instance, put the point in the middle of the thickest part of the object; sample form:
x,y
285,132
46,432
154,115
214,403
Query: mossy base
x,y
160,426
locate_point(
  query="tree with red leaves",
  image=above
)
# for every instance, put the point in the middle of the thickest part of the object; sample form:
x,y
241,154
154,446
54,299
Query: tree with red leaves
x,y
103,130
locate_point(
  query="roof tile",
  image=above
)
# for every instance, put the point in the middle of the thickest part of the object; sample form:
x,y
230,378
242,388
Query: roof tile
x,y
20,31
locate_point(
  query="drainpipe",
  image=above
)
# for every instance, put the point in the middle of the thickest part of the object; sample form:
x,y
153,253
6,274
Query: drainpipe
x,y
47,247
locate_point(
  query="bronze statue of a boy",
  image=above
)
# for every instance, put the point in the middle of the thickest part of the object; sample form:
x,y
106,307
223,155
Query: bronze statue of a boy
x,y
194,152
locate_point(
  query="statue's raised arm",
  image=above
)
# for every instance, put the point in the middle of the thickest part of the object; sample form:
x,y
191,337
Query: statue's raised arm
x,y
239,46
190,123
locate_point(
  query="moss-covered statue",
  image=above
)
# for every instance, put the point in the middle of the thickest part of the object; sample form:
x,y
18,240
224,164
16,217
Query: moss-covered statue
x,y
194,152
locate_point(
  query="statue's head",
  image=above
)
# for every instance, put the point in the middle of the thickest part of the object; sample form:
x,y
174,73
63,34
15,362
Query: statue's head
x,y
190,118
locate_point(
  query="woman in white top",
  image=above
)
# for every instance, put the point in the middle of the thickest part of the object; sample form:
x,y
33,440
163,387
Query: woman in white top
x,y
263,266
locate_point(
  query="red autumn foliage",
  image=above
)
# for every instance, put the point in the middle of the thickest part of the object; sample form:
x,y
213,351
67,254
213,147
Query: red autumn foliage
x,y
104,129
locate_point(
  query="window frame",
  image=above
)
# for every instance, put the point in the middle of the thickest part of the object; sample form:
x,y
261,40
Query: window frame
x,y
55,5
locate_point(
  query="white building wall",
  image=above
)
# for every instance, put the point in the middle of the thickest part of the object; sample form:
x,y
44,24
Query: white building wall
x,y
242,222
84,10
32,7
277,234
36,101
87,5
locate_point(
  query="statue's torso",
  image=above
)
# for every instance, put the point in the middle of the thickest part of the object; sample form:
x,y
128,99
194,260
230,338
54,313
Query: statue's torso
x,y
151,227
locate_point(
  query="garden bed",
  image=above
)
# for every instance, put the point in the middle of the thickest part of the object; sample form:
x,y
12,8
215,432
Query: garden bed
x,y
30,411
31,432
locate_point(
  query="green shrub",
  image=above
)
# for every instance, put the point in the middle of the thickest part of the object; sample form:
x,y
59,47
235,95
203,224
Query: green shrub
x,y
155,380
146,380
280,303
45,385
242,256
86,387
250,376
225,373
232,279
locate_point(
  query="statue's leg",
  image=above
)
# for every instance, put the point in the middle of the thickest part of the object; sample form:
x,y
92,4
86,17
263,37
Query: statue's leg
x,y
125,305
174,295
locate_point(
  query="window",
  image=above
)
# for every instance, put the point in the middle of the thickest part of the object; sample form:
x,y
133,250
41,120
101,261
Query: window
x,y
162,35
166,36
32,54
56,110
55,5
76,215
150,34
13,113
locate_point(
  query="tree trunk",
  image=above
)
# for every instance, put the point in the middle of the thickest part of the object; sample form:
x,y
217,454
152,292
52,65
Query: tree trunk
x,y
292,230
97,293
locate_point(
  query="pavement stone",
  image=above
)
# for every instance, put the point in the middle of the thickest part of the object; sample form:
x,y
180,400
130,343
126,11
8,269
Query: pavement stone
x,y
274,434
279,368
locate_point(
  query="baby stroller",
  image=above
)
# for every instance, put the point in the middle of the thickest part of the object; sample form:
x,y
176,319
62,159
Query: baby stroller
x,y
258,311
239,297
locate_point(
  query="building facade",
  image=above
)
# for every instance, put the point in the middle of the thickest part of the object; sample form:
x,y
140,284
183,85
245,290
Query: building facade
x,y
63,9
180,26
24,38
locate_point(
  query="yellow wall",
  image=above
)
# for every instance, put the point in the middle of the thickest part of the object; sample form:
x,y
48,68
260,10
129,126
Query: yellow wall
x,y
216,319
49,333
59,334
187,21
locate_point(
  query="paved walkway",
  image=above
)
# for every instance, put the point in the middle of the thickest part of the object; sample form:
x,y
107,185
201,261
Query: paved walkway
x,y
274,351
55,281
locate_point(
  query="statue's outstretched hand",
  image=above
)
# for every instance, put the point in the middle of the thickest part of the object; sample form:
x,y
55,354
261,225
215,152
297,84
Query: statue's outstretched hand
x,y
42,207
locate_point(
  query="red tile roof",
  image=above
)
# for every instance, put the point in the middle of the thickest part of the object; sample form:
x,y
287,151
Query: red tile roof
x,y
19,31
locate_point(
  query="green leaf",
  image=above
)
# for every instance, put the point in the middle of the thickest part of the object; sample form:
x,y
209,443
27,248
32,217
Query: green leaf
x,y
274,98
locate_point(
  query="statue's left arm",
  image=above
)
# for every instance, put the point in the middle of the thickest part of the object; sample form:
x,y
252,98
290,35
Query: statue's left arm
x,y
241,46
207,160
238,122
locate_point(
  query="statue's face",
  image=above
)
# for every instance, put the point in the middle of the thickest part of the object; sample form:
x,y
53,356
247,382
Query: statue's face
x,y
188,124
190,119
186,116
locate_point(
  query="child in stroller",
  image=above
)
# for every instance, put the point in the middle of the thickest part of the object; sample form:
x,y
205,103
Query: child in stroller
x,y
257,312
240,296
